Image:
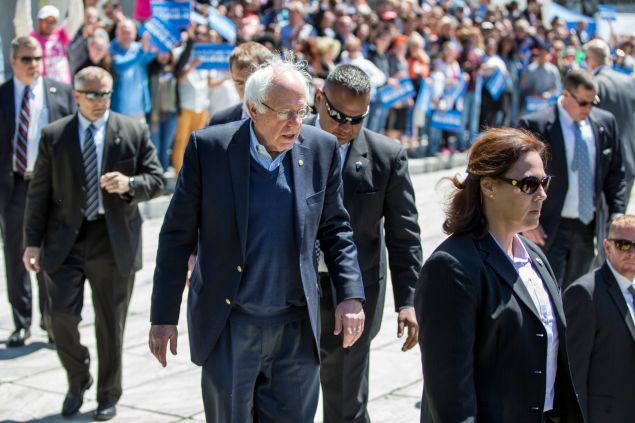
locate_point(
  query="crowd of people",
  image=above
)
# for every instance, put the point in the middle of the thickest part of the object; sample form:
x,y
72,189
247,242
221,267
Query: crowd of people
x,y
292,185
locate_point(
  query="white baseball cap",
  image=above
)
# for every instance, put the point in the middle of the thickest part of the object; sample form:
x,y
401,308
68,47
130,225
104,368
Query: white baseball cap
x,y
48,11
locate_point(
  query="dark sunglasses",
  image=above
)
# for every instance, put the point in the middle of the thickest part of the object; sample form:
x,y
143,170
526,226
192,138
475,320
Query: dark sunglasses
x,y
594,102
529,184
340,117
96,95
28,59
623,244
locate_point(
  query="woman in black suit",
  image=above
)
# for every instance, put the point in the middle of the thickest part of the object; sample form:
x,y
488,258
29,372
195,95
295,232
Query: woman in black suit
x,y
491,323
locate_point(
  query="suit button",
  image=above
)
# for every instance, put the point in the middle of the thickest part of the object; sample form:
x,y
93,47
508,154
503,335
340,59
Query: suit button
x,y
239,269
540,335
76,231
538,372
227,301
82,211
535,408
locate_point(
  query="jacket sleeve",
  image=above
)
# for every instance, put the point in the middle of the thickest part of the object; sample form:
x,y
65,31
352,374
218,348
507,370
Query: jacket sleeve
x,y
149,177
402,232
446,305
39,196
614,182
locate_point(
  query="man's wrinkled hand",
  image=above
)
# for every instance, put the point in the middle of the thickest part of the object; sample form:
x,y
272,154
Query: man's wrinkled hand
x,y
349,318
407,318
158,341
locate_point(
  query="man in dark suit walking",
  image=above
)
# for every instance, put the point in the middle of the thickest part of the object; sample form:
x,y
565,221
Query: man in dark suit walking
x,y
243,61
255,195
28,102
588,176
600,315
83,222
616,96
379,197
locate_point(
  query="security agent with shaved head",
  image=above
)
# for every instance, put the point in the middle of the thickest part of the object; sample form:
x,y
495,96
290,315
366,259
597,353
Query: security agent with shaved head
x,y
243,61
588,176
82,222
600,311
28,101
255,195
379,197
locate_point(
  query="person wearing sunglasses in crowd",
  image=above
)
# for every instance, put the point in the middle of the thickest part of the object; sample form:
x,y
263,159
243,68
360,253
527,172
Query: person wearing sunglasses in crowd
x,y
379,197
28,101
588,176
600,314
492,329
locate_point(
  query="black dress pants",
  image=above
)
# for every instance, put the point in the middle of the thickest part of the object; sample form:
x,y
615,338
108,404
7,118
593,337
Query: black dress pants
x,y
344,372
572,250
18,279
91,258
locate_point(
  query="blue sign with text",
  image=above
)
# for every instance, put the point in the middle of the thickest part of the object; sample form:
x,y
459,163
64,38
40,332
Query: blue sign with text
x,y
213,56
390,95
496,84
446,121
163,35
222,24
175,13
533,104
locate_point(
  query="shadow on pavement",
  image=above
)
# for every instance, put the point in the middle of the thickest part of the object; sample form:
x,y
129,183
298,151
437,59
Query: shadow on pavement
x,y
15,352
88,416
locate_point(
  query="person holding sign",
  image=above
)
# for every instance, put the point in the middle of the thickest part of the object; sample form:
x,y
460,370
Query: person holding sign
x,y
494,75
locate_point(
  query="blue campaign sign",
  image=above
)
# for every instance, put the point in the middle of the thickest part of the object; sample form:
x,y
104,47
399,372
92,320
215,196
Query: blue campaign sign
x,y
446,121
197,18
607,12
175,13
213,56
222,24
496,84
162,35
622,69
533,104
454,92
389,95
424,97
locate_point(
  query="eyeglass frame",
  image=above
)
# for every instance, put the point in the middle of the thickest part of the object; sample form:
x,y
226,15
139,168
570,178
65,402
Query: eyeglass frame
x,y
96,95
594,102
520,183
340,117
286,114
631,244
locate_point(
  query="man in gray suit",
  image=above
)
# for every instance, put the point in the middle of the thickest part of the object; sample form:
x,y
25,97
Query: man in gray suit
x,y
601,332
617,96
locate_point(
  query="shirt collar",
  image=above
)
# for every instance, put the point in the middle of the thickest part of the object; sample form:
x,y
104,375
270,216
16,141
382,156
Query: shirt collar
x,y
260,153
521,256
623,283
98,124
598,69
19,86
317,125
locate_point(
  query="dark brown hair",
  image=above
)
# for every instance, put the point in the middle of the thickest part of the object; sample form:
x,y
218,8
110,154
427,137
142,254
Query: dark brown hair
x,y
491,155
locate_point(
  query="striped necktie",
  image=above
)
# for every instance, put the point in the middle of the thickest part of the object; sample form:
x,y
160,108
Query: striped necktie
x,y
89,156
22,135
582,164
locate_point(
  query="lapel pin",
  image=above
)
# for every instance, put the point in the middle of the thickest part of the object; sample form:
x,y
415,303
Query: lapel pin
x,y
539,261
601,129
358,165
52,89
300,162
117,140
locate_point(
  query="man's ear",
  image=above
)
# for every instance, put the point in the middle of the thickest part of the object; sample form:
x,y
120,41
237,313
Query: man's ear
x,y
317,99
251,110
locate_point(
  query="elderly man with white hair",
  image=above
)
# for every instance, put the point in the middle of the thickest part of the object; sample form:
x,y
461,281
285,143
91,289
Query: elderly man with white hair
x,y
255,195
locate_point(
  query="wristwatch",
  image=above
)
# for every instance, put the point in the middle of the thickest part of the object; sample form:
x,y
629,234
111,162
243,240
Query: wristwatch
x,y
132,184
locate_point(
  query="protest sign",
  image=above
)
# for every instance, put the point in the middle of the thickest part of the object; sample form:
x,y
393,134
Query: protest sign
x,y
175,13
390,95
496,84
213,56
162,35
222,24
446,121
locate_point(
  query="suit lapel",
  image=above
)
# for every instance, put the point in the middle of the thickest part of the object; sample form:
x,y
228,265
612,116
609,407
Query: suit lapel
x,y
355,166
9,106
618,298
301,168
74,149
548,281
239,162
598,132
498,260
112,139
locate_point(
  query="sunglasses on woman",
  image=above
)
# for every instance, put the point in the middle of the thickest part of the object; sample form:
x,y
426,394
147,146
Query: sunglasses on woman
x,y
623,244
529,184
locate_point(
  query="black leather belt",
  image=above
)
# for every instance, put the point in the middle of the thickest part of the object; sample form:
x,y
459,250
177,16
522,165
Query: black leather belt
x,y
26,177
98,218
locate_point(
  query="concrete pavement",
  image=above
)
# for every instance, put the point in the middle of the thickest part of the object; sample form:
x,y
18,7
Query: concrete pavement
x,y
33,384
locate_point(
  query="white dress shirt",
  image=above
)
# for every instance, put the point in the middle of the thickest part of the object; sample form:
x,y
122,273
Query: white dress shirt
x,y
570,208
540,297
99,137
624,284
39,117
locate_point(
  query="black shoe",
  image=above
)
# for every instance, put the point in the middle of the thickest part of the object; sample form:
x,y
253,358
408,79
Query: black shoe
x,y
75,398
105,411
18,337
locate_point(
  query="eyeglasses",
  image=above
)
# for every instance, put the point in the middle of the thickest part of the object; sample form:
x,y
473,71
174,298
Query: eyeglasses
x,y
340,117
96,95
529,184
28,59
594,102
623,244
288,114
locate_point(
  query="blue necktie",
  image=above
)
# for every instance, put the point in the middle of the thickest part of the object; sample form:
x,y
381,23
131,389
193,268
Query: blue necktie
x,y
89,156
582,165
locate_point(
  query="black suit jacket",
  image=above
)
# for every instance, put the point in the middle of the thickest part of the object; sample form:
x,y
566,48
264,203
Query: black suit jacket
x,y
211,206
616,97
57,196
379,197
610,185
601,340
228,114
483,345
60,103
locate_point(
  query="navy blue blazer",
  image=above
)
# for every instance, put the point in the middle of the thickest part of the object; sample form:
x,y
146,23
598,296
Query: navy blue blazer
x,y
210,207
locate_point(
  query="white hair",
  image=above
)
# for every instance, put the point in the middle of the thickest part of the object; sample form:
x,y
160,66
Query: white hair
x,y
258,85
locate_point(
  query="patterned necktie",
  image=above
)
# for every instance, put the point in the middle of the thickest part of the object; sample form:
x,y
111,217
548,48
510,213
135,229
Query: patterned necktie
x,y
22,135
89,156
631,290
582,165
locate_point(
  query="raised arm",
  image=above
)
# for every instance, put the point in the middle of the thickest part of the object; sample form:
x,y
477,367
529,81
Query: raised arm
x,y
75,17
22,21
